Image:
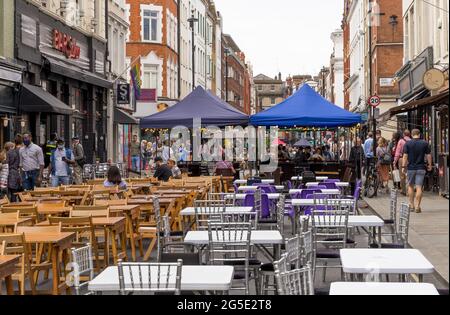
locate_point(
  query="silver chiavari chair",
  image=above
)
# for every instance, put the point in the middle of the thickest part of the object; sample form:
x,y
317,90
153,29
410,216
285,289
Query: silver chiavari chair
x,y
228,199
150,277
83,266
229,244
281,205
330,230
207,211
295,282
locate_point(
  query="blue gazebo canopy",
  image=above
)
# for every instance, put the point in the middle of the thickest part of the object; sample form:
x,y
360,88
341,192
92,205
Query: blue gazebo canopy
x,y
198,104
306,108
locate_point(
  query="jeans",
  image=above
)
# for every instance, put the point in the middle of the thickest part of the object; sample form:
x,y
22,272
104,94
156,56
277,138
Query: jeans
x,y
60,180
136,163
29,179
416,177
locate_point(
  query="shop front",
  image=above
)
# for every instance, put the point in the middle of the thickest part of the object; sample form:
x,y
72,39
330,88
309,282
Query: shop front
x,y
10,80
65,87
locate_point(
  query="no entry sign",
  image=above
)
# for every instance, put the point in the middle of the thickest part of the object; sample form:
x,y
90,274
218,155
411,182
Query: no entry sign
x,y
374,101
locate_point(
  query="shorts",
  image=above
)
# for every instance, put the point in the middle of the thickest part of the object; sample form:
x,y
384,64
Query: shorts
x,y
416,177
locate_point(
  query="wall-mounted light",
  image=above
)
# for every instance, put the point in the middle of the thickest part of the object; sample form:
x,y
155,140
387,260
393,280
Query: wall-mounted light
x,y
393,20
5,121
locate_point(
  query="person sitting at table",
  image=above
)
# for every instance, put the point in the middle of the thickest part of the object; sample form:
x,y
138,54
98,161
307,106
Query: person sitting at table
x,y
114,178
303,155
162,172
317,156
224,165
176,172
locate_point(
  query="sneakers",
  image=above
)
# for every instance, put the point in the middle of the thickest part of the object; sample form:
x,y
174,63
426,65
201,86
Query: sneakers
x,y
418,210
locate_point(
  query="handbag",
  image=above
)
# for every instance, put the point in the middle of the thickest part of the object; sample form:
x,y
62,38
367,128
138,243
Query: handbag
x,y
386,159
396,176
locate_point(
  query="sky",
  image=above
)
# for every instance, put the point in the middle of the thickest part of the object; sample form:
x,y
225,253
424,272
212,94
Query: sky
x,y
287,36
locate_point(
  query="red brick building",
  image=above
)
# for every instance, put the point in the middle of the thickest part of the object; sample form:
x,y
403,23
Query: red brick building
x,y
236,87
387,51
346,30
154,37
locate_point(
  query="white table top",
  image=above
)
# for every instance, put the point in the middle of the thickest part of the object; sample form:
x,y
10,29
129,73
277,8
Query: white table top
x,y
319,178
338,184
193,278
310,202
191,210
259,237
359,220
324,191
385,261
382,288
263,181
244,188
274,196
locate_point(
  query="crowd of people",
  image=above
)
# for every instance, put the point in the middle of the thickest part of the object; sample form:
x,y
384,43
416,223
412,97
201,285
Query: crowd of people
x,y
405,159
22,164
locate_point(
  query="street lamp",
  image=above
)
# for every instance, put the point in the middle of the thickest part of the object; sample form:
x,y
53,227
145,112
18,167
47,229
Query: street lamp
x,y
192,20
227,53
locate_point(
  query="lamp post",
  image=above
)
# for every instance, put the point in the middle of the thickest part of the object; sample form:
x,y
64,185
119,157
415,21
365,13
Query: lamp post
x,y
227,53
192,20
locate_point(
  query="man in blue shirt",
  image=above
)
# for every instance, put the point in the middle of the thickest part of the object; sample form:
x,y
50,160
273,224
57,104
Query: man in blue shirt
x,y
60,160
368,152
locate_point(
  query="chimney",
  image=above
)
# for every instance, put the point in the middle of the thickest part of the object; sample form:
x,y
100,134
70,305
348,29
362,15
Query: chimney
x,y
279,76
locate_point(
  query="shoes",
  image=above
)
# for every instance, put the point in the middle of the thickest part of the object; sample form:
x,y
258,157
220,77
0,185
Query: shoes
x,y
418,210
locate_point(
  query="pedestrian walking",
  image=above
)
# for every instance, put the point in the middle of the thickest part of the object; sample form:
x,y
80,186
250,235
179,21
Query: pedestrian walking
x,y
416,161
13,159
368,152
384,161
78,154
60,161
135,152
400,142
31,163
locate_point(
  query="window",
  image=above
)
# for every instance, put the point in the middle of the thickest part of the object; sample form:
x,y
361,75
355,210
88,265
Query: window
x,y
150,77
272,100
272,87
150,25
28,31
260,88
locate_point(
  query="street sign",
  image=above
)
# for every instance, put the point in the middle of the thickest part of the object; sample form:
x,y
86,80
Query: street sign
x,y
374,101
123,94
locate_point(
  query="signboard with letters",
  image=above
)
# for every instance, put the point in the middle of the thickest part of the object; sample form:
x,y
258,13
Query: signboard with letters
x,y
123,94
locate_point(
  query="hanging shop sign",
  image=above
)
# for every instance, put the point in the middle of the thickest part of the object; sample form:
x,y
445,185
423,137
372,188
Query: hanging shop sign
x,y
123,94
66,44
434,79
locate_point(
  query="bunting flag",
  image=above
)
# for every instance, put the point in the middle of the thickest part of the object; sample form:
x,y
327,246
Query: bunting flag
x,y
136,79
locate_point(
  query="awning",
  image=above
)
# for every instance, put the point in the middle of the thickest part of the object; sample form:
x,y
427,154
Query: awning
x,y
34,99
441,98
70,71
124,118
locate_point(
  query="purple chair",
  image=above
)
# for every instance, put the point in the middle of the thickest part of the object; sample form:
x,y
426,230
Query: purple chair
x,y
329,185
265,208
306,192
332,181
236,188
289,185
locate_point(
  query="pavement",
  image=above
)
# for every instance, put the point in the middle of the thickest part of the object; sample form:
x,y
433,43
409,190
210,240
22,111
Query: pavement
x,y
428,231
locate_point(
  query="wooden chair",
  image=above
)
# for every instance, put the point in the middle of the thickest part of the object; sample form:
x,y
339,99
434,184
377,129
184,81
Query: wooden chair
x,y
41,253
4,200
24,211
133,234
95,181
14,244
93,211
84,230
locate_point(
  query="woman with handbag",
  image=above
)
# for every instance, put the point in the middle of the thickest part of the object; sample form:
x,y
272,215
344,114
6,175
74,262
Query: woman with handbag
x,y
384,163
13,160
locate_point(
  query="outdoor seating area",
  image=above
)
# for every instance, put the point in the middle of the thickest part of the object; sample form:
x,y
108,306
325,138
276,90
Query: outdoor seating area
x,y
197,235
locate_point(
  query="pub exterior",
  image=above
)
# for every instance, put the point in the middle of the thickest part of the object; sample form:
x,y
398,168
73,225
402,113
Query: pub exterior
x,y
65,87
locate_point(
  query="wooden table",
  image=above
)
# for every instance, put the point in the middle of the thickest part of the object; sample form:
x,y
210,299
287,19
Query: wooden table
x,y
113,227
7,268
6,221
60,241
53,211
